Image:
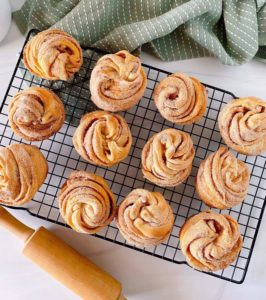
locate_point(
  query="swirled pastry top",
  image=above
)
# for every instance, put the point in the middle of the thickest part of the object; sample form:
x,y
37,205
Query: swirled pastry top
x,y
23,170
180,99
167,157
210,241
53,54
242,124
222,180
103,138
86,203
118,81
36,113
144,218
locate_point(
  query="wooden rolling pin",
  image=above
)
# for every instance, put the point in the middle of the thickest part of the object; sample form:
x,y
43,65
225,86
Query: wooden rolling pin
x,y
63,262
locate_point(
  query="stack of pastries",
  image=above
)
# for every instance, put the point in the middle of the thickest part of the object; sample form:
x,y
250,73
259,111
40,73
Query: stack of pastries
x,y
209,241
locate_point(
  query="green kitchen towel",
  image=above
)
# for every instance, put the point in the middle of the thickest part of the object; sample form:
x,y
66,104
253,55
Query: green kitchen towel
x,y
234,31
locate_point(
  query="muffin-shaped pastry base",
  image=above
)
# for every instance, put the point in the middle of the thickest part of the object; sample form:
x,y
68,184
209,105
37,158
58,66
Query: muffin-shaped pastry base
x,y
242,124
103,138
167,157
36,113
117,82
181,99
86,203
23,170
53,55
144,218
222,180
210,241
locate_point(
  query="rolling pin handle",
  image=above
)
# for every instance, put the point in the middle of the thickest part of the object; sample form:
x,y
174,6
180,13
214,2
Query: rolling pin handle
x,y
17,228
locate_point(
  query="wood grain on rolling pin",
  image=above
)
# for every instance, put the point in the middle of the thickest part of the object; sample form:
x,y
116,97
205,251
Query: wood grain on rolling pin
x,y
63,262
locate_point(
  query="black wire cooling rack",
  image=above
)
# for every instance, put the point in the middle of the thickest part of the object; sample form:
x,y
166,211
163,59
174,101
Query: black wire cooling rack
x,y
144,121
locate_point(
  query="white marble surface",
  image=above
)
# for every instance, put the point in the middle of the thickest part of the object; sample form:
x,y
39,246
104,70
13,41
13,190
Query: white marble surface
x,y
143,277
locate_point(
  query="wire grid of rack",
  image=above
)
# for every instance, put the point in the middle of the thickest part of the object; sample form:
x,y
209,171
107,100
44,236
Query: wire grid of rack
x,y
144,121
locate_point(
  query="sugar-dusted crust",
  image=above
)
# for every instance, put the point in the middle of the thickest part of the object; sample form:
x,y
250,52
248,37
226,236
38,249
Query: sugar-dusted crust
x,y
222,180
103,138
23,170
53,55
36,113
118,81
144,218
180,99
167,157
242,124
210,241
86,203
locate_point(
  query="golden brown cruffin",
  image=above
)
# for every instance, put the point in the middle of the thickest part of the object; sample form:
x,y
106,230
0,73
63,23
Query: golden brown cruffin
x,y
23,170
53,55
180,99
144,218
242,124
167,157
86,203
36,113
222,180
210,241
103,138
117,82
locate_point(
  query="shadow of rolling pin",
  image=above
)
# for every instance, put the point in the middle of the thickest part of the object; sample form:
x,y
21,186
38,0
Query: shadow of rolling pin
x,y
62,262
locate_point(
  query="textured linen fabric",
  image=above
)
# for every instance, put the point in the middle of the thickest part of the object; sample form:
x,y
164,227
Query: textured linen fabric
x,y
234,31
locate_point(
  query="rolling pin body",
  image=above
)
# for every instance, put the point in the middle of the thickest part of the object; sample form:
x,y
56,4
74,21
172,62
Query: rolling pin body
x,y
69,267
63,262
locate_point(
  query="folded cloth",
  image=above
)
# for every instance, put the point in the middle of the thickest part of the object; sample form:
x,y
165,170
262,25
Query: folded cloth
x,y
234,31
